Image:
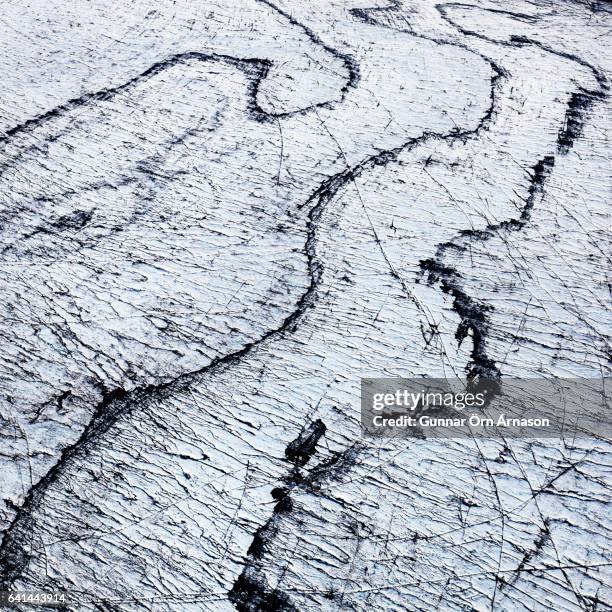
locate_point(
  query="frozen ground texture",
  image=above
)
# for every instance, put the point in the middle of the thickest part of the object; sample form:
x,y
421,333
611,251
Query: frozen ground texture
x,y
216,217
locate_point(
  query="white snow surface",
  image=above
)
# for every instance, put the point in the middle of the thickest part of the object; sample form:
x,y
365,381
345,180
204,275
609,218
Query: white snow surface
x,y
217,217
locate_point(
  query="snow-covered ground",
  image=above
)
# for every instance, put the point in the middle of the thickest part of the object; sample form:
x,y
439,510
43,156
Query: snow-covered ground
x,y
217,217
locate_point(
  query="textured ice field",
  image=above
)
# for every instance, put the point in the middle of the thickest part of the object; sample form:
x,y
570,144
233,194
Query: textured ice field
x,y
216,217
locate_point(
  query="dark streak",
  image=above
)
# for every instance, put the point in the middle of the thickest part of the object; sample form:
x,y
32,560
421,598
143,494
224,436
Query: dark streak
x,y
251,591
301,450
471,311
349,62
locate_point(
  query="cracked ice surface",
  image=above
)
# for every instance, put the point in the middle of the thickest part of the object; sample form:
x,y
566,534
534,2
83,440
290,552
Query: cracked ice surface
x,y
216,218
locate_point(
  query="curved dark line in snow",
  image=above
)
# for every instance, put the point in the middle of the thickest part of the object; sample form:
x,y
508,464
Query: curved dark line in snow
x,y
260,66
473,313
256,67
349,62
580,101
